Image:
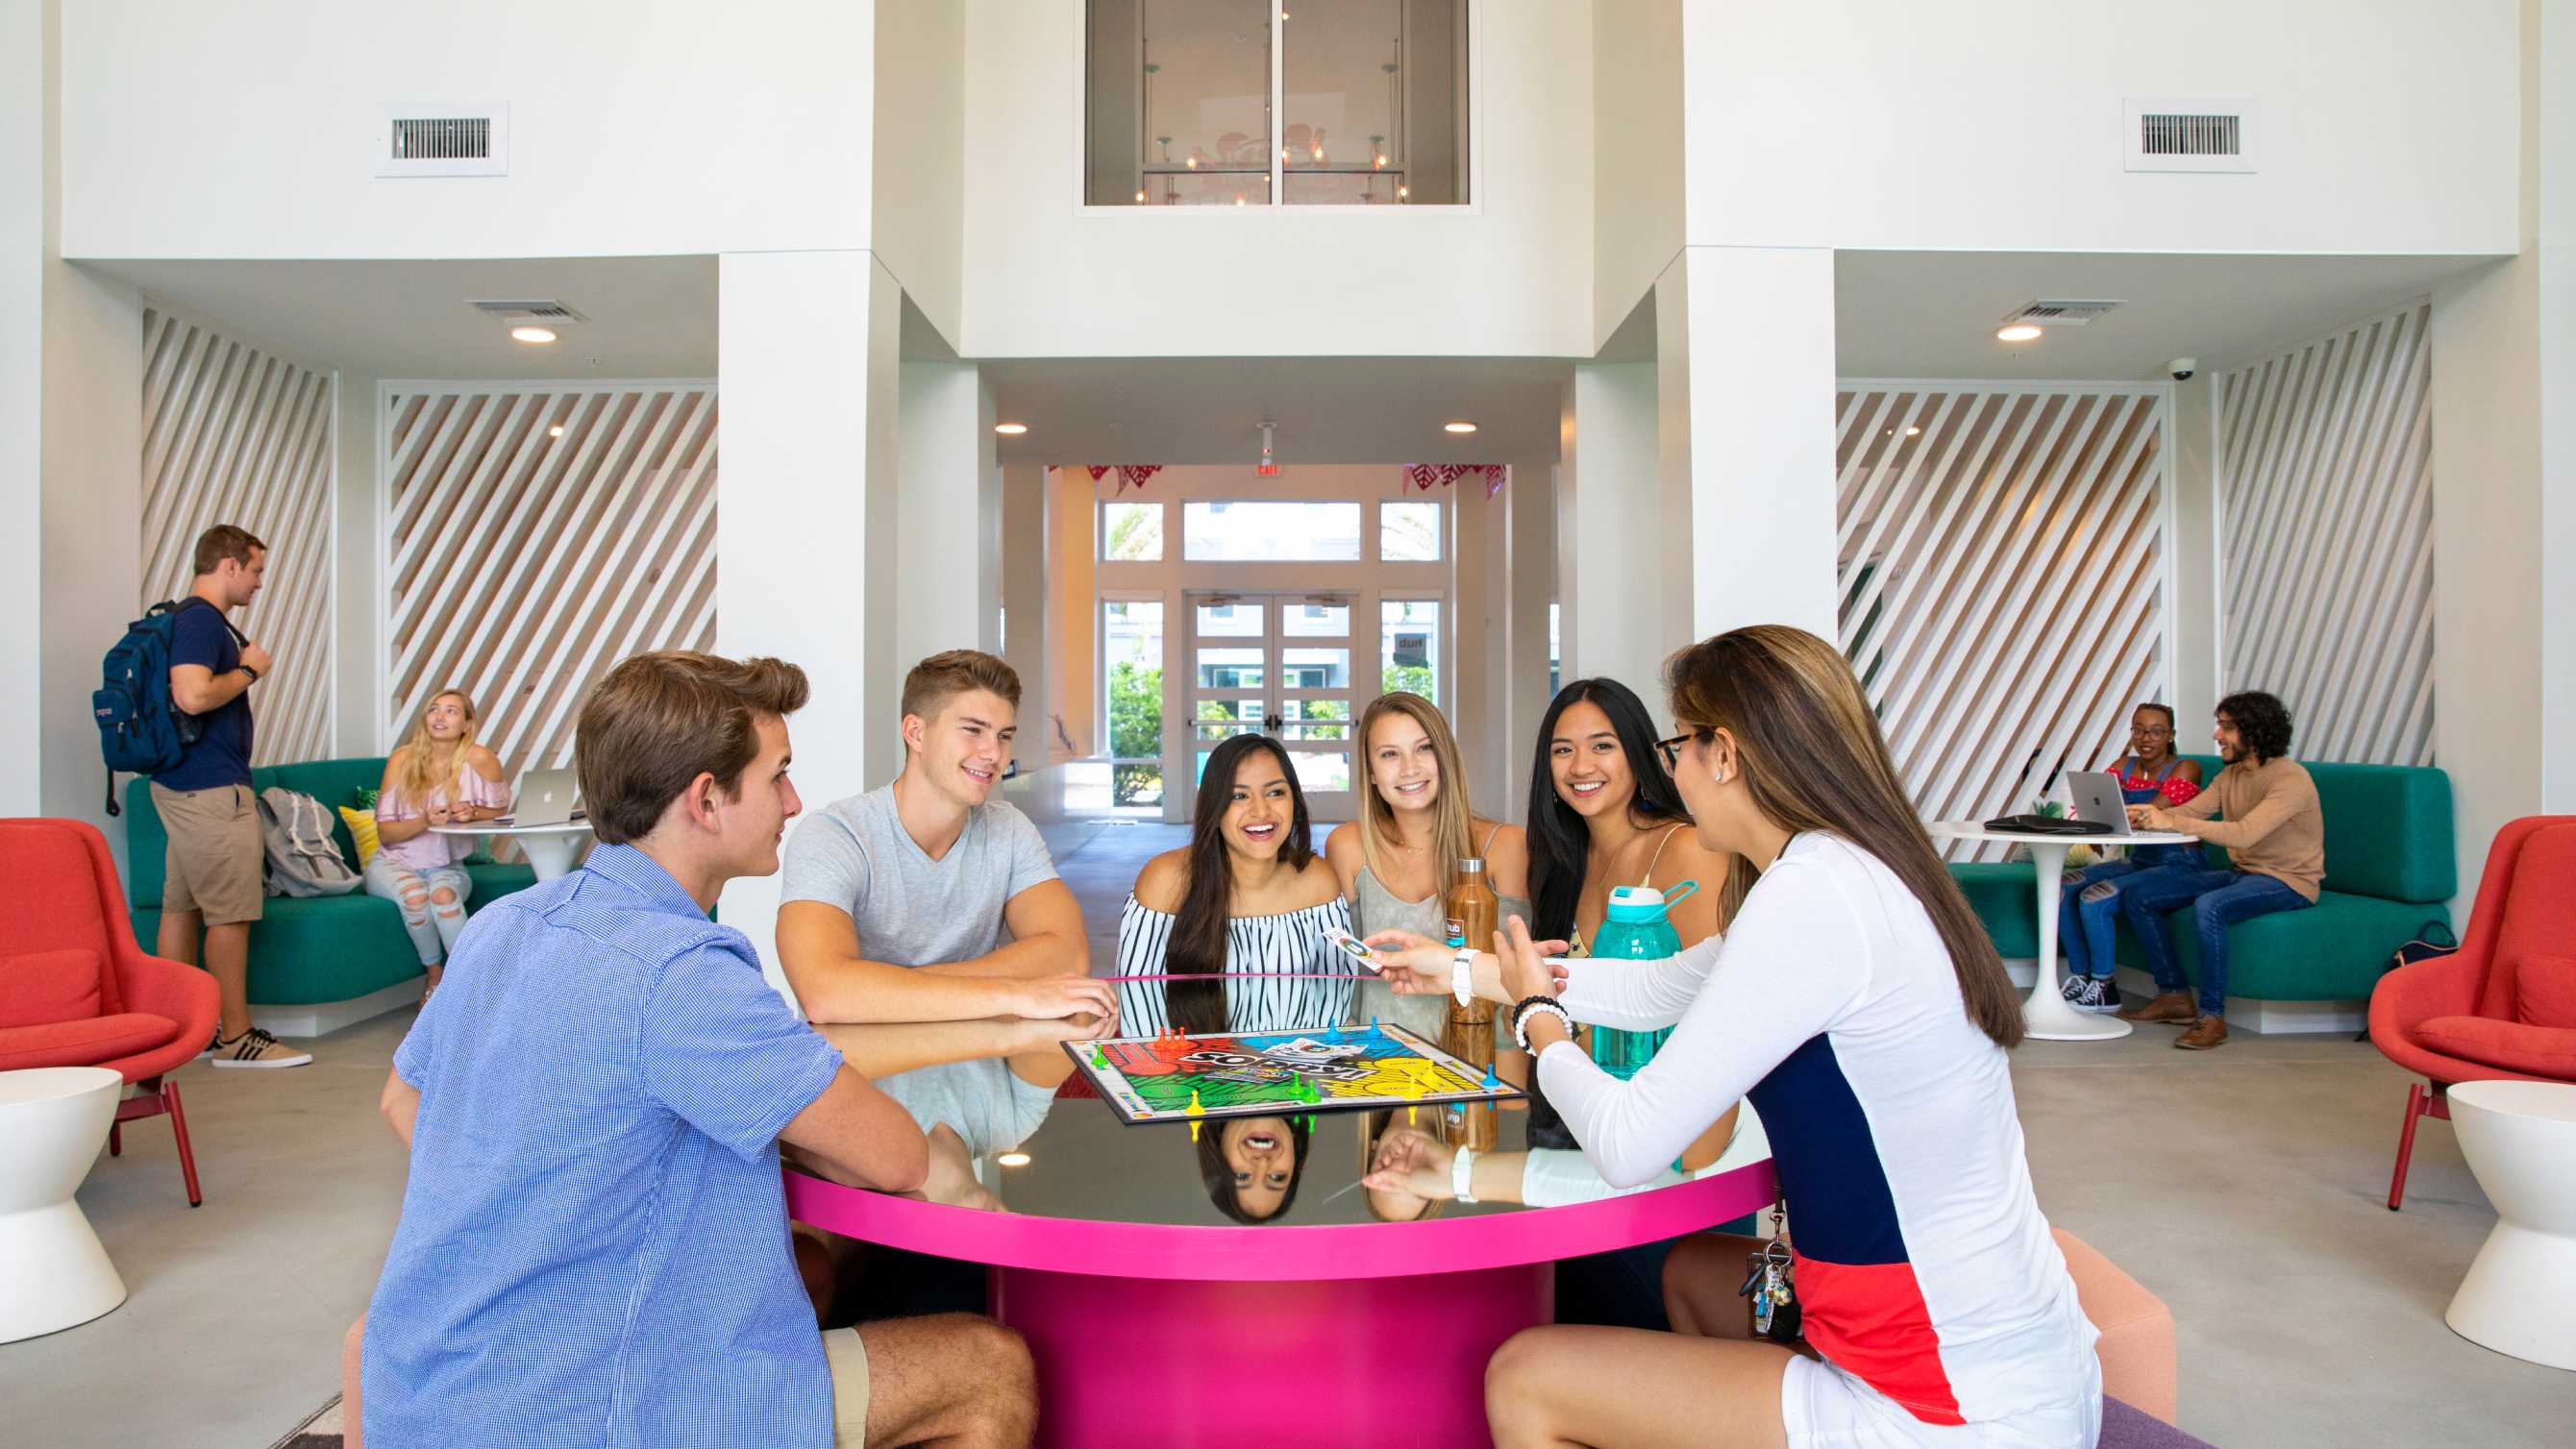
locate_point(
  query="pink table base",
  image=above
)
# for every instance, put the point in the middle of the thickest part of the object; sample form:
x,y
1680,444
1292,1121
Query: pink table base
x,y
1129,1361
1147,1333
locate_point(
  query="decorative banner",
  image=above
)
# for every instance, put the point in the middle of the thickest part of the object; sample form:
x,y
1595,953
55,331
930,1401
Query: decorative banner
x,y
1426,476
1130,475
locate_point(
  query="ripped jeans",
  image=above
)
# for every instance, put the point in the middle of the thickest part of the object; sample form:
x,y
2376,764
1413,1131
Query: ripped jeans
x,y
433,924
2088,909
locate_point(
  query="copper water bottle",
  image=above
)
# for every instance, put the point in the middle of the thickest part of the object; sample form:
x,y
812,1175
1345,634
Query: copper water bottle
x,y
1474,912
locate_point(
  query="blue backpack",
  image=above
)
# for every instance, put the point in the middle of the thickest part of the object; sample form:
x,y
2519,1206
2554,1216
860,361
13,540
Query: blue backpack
x,y
140,730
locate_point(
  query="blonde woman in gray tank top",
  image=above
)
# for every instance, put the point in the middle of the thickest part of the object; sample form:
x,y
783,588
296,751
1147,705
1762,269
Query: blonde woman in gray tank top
x,y
1397,862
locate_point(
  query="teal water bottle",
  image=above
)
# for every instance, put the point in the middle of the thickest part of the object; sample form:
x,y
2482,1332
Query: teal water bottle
x,y
1635,929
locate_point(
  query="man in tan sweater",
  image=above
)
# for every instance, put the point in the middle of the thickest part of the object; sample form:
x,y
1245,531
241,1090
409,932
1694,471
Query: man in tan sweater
x,y
2263,809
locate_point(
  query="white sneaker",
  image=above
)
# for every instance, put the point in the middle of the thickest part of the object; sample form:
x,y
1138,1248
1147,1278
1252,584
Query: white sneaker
x,y
256,1048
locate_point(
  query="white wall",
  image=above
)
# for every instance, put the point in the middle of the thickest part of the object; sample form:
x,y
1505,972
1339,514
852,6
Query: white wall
x,y
649,126
24,94
2550,182
1608,558
2194,543
805,519
1507,275
2387,125
947,504
920,157
1636,153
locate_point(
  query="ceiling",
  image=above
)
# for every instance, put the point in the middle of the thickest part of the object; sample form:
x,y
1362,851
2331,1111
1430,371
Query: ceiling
x,y
1329,409
648,316
1934,314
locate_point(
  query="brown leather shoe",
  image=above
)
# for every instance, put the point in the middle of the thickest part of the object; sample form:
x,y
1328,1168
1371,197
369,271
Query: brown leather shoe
x,y
2208,1032
2173,1007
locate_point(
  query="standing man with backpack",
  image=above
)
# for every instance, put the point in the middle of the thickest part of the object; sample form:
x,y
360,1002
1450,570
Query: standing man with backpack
x,y
211,876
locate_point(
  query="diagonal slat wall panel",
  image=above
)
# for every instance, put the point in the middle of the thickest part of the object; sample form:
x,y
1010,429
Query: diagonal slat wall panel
x,y
522,562
233,434
2003,580
2325,493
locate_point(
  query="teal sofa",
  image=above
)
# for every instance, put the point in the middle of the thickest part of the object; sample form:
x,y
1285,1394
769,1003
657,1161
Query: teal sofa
x,y
2389,871
314,950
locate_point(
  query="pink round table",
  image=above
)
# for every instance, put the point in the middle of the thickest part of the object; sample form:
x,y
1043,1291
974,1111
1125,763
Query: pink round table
x,y
1147,1332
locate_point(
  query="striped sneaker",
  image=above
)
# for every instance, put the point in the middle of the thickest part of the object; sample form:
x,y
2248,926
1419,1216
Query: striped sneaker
x,y
256,1048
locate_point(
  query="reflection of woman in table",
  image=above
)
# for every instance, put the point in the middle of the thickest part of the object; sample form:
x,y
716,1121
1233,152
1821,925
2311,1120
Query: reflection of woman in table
x,y
1237,917
1858,1002
1251,1166
439,776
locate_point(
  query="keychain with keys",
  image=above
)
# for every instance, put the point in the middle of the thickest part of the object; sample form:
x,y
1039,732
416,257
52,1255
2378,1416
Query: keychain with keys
x,y
1768,1283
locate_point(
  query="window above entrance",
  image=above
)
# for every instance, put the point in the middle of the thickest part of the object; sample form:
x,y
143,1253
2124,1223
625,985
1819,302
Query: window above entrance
x,y
1256,102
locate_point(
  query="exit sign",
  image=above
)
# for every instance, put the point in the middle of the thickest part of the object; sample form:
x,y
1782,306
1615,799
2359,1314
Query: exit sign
x,y
1265,470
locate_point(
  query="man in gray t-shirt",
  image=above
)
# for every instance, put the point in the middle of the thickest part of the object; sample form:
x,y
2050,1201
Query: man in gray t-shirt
x,y
930,901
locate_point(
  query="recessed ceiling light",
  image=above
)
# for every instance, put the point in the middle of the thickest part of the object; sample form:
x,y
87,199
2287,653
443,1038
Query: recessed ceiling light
x,y
2017,332
1913,432
1010,430
532,334
1459,427
1013,1159
555,432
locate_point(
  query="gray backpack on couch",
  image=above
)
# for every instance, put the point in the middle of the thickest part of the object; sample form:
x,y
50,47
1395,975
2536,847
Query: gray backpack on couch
x,y
303,859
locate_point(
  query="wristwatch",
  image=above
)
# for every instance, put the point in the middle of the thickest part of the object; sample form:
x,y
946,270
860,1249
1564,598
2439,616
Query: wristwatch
x,y
1462,1175
246,669
1462,976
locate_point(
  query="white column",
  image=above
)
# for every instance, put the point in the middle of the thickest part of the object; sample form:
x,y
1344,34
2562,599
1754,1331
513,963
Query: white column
x,y
1529,575
360,603
1073,625
24,63
1745,423
2194,545
946,511
2504,494
2553,191
1608,545
805,517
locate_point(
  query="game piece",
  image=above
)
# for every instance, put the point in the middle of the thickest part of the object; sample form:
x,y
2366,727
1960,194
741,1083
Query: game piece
x,y
1194,1107
1373,1027
1194,1132
1491,1081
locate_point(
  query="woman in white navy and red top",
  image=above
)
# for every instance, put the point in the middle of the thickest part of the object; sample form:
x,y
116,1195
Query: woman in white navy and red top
x,y
1857,1002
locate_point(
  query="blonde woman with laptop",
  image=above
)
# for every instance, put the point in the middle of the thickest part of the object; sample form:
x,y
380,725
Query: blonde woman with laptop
x,y
440,776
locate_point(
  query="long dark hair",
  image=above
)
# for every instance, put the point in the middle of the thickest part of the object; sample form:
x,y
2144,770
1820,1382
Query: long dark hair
x,y
1199,926
1218,1174
1559,841
1814,758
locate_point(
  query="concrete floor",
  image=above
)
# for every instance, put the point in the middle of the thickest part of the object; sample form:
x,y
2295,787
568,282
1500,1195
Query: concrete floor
x,y
2243,1186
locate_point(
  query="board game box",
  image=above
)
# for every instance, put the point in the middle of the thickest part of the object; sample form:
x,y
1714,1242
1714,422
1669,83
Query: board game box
x,y
1178,1078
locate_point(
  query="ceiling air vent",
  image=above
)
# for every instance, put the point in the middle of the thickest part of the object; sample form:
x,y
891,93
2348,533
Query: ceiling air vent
x,y
2057,312
444,140
540,310
2198,133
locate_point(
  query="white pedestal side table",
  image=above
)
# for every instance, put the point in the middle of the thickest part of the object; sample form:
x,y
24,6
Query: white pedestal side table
x,y
53,1272
549,848
2520,1295
2045,1013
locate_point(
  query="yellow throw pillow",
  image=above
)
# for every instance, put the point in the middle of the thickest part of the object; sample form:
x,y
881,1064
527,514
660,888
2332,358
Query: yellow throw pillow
x,y
362,829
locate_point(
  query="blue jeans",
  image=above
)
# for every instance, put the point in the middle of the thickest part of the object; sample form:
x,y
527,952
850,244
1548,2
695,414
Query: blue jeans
x,y
2085,927
2218,900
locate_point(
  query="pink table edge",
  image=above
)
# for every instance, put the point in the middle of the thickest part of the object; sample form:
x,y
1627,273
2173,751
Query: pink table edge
x,y
1339,1251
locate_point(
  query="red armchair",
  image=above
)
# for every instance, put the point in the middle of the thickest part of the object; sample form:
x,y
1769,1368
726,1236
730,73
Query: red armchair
x,y
75,989
2526,907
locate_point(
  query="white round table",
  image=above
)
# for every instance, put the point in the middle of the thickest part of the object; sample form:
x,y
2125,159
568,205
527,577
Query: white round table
x,y
549,848
2520,1295
2045,1014
53,1272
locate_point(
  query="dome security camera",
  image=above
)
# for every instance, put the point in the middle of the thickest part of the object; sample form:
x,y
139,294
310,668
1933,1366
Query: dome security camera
x,y
2182,368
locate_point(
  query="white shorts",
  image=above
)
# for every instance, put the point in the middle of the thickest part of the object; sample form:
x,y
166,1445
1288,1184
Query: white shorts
x,y
1825,1408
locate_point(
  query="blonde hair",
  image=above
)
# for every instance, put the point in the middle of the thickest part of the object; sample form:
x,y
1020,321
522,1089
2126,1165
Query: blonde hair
x,y
419,778
1453,822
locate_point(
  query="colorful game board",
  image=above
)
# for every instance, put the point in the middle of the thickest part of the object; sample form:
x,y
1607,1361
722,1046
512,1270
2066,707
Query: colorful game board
x,y
1338,1069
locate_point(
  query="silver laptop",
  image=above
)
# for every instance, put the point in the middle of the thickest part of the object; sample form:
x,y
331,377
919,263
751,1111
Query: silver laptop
x,y
2097,798
545,798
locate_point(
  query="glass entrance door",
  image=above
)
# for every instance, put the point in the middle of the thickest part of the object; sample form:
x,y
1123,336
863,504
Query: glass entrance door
x,y
1277,664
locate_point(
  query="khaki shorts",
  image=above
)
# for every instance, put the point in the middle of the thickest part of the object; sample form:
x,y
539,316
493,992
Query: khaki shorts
x,y
213,863
849,1359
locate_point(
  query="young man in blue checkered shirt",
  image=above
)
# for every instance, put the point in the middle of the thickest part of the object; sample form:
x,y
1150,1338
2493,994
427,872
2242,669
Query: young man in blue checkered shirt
x,y
593,1246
